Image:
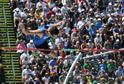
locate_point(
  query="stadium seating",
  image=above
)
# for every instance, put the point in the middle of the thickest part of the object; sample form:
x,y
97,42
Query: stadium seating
x,y
9,58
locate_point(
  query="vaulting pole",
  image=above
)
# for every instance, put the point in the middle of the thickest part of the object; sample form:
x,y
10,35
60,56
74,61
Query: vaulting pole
x,y
72,66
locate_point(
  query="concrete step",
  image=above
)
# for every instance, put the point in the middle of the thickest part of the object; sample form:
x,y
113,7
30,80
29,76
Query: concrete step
x,y
7,63
13,82
7,45
6,11
6,38
8,56
16,71
9,60
10,36
5,8
4,26
12,52
6,5
3,19
7,29
12,79
10,68
6,21
17,74
4,32
10,41
8,24
4,1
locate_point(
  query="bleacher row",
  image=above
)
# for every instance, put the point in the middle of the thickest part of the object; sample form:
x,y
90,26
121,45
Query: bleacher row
x,y
10,61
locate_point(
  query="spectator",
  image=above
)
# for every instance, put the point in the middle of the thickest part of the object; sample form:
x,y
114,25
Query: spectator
x,y
31,45
119,72
17,16
20,45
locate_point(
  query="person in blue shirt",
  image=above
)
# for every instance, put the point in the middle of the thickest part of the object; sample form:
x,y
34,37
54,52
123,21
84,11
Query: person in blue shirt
x,y
98,24
122,9
109,8
43,33
92,31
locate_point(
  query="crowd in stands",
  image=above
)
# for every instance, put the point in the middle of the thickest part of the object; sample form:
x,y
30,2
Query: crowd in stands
x,y
69,24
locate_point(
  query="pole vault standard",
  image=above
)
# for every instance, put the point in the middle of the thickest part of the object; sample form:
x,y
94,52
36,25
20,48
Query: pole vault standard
x,y
75,61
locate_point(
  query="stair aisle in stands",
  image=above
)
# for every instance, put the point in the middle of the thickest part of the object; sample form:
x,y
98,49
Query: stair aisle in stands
x,y
10,60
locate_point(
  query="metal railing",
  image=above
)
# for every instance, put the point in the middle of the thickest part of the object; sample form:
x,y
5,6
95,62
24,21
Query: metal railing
x,y
8,37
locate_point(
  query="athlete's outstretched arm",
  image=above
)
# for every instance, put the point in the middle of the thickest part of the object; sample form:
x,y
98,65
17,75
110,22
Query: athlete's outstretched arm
x,y
35,31
58,24
26,32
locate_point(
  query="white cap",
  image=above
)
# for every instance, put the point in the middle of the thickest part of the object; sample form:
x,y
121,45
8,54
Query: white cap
x,y
112,14
39,4
110,4
92,23
90,9
83,9
115,4
16,10
97,34
59,57
55,9
59,14
91,18
31,41
35,67
108,15
99,19
97,15
102,14
52,15
80,24
117,40
123,18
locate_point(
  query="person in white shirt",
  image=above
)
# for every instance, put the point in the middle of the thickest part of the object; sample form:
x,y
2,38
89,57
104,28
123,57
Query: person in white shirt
x,y
59,40
24,55
30,44
67,29
26,72
25,61
35,72
16,16
98,39
41,5
46,78
80,24
24,14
